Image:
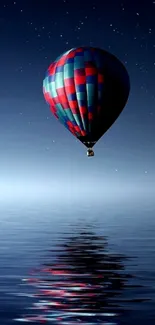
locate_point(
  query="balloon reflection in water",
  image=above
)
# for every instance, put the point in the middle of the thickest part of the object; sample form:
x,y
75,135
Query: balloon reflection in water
x,y
82,286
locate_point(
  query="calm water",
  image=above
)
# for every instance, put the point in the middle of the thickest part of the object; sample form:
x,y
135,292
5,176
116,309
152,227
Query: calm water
x,y
77,264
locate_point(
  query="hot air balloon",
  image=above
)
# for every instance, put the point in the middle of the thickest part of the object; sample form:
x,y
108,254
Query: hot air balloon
x,y
86,89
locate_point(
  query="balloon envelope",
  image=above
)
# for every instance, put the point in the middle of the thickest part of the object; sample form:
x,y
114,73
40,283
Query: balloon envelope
x,y
86,89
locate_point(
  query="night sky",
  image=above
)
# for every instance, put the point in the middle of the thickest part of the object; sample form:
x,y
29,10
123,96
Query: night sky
x,y
40,157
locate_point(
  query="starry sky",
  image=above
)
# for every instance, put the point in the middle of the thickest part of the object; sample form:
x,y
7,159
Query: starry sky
x,y
39,157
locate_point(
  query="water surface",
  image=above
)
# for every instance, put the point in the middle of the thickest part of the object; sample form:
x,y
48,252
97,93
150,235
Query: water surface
x,y
81,264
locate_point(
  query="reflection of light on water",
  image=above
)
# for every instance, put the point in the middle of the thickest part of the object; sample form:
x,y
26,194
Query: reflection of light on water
x,y
84,286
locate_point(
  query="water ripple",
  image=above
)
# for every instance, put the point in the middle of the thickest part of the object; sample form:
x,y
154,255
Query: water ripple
x,y
86,285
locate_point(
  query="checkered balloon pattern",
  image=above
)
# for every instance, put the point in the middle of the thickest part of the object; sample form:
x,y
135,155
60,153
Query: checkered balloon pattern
x,y
75,86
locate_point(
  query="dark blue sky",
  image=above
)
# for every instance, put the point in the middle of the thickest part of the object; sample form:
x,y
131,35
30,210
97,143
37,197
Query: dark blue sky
x,y
38,155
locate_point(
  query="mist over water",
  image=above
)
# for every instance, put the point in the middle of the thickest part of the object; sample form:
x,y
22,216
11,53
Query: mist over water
x,y
77,263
